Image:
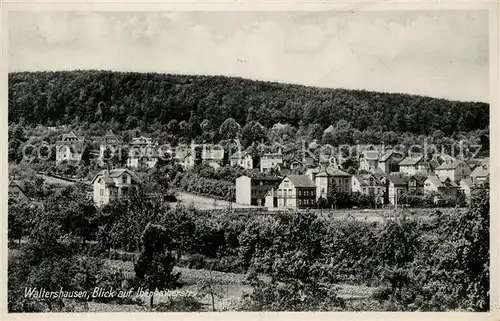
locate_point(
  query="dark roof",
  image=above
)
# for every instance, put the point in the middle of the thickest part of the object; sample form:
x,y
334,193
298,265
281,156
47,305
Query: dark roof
x,y
397,180
114,173
441,182
361,180
419,179
239,155
450,165
409,161
386,155
300,180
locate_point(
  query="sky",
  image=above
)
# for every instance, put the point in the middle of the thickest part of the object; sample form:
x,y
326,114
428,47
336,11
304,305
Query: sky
x,y
434,53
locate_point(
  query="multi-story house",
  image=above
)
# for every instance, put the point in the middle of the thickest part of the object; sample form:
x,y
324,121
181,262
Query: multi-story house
x,y
296,191
466,186
185,158
454,170
443,187
270,161
142,153
368,160
415,184
70,148
111,185
396,187
212,155
370,185
252,190
329,179
414,165
110,146
480,174
242,159
388,162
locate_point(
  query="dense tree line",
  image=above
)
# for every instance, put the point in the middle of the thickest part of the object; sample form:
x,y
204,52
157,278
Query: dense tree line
x,y
198,103
432,264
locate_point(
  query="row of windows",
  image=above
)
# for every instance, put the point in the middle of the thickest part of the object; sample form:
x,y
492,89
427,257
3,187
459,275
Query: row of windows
x,y
307,201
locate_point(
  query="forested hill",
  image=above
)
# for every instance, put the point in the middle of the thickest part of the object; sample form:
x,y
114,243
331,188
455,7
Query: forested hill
x,y
94,96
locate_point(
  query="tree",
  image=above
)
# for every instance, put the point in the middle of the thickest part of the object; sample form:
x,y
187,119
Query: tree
x,y
154,267
229,129
210,287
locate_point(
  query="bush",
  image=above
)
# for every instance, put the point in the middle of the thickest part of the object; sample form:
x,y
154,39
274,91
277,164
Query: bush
x,y
196,261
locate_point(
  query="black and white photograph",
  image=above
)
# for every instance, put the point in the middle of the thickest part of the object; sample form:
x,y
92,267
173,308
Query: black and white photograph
x,y
248,161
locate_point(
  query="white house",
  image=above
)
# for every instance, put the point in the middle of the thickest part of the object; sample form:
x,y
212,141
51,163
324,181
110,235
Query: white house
x,y
414,165
111,143
270,161
296,191
252,190
454,170
443,187
185,158
242,159
70,148
110,185
142,153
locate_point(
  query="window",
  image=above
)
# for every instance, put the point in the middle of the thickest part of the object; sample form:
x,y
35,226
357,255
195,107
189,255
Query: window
x,y
102,192
124,179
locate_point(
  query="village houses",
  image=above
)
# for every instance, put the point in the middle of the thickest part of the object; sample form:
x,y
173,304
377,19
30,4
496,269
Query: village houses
x,y
396,187
328,179
466,186
111,144
184,156
242,159
296,192
454,170
480,174
414,165
212,155
269,161
110,185
252,190
142,153
370,185
70,148
444,188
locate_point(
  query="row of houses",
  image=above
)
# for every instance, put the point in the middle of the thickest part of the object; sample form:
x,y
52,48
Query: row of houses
x,y
144,152
302,191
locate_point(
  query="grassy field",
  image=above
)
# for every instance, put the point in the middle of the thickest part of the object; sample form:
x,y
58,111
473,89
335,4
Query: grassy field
x,y
231,285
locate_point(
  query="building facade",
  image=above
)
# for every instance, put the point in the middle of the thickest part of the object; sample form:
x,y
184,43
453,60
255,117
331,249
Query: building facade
x,y
241,159
253,190
296,192
111,185
70,148
414,165
454,170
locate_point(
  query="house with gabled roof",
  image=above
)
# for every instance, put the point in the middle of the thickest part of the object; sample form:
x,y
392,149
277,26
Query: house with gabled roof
x,y
212,155
111,143
329,179
454,170
443,187
142,153
185,157
242,159
296,192
70,148
251,189
270,161
466,186
388,161
396,187
370,185
480,174
115,184
368,160
414,165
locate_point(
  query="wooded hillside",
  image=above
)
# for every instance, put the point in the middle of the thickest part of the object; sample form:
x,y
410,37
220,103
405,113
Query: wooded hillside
x,y
51,98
